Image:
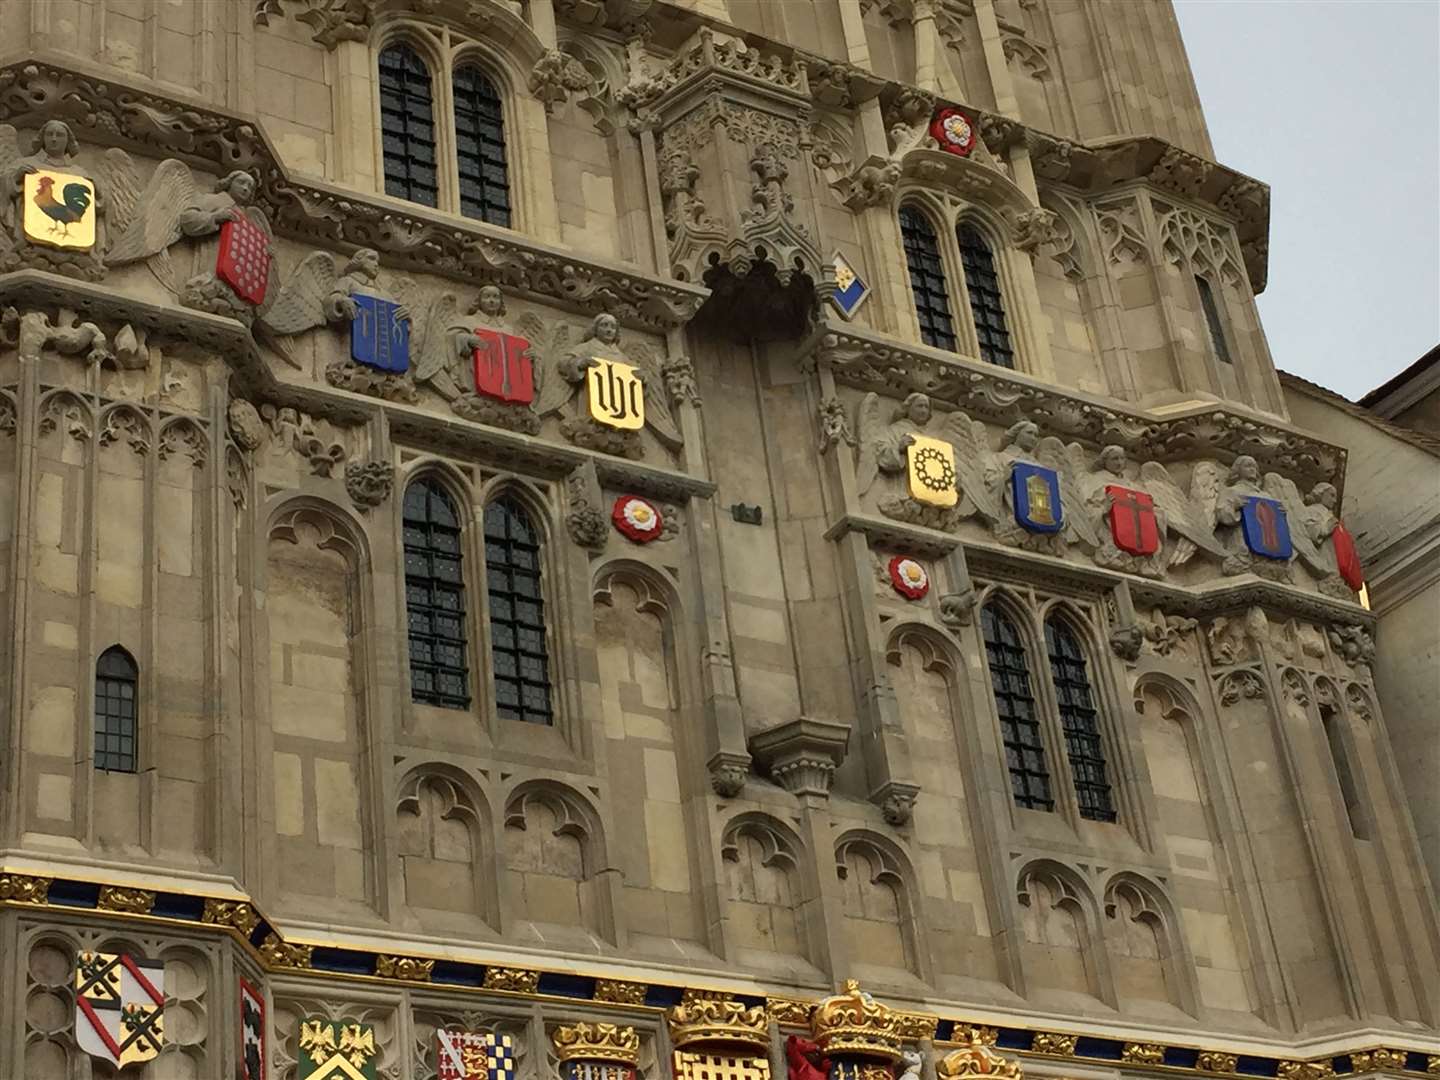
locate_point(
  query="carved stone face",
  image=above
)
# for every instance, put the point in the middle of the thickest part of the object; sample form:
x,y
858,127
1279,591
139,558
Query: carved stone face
x,y
367,262
242,188
1324,494
55,138
1246,469
607,329
918,410
491,301
1027,436
1112,459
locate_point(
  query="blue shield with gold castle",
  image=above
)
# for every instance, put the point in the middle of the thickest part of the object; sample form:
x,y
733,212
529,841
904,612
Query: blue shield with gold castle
x,y
1266,529
1035,493
379,337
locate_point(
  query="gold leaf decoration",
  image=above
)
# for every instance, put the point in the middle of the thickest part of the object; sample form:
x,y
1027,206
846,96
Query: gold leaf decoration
x,y
234,913
704,1017
620,991
597,1042
853,1022
25,889
788,1012
278,953
130,901
977,1059
1143,1053
404,967
1054,1044
516,980
1216,1061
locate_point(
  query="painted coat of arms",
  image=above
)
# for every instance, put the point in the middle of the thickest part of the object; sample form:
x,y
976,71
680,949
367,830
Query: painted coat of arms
x,y
243,261
252,1033
1133,524
59,209
1347,559
1035,491
503,368
119,1007
931,467
1266,529
380,334
616,394
336,1050
473,1055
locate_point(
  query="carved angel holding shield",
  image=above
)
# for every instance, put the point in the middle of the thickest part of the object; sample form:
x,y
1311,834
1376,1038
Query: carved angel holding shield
x,y
51,207
1023,446
1313,524
883,457
318,293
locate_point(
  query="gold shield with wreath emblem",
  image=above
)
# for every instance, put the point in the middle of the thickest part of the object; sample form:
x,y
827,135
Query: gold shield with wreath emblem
x,y
931,468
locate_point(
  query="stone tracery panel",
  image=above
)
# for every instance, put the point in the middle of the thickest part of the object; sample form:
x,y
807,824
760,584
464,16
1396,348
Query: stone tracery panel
x,y
764,886
1055,917
441,833
553,851
878,904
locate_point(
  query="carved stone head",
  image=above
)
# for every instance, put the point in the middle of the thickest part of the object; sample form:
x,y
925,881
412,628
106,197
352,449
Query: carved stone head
x,y
491,301
605,329
57,141
1113,459
1244,470
366,263
1025,434
240,185
917,409
1324,494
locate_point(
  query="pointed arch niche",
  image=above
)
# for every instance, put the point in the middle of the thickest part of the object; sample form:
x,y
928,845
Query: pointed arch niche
x,y
441,834
636,650
1148,958
1060,943
879,903
554,852
1189,819
767,894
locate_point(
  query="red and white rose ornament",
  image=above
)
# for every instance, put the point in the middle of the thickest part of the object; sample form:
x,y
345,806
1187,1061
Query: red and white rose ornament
x,y
638,519
954,131
909,577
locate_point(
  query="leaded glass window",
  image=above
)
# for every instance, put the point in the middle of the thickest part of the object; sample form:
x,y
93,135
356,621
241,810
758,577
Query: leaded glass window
x,y
116,710
927,279
517,615
1212,319
1015,703
480,147
435,597
1079,722
987,306
407,125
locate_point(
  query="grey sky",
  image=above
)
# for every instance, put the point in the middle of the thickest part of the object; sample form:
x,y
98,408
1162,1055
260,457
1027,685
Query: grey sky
x,y
1336,105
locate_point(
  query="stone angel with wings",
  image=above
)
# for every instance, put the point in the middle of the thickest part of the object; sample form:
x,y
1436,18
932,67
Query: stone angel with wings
x,y
1313,525
318,293
51,207
236,276
1023,444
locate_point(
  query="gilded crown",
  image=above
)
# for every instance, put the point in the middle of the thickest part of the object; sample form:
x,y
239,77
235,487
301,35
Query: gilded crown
x,y
853,1022
703,1017
597,1042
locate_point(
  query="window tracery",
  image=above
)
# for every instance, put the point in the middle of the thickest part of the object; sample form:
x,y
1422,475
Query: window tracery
x,y
987,304
927,279
518,652
435,597
1019,716
1079,721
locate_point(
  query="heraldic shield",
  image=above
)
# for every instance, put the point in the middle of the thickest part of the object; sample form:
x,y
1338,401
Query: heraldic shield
x,y
1132,520
503,368
336,1050
1347,559
119,1007
379,337
59,209
930,465
252,1032
1035,491
474,1055
243,261
616,394
1266,528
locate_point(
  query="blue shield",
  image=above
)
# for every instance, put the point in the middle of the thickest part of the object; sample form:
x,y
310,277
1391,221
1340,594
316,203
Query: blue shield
x,y
379,338
1267,532
1035,492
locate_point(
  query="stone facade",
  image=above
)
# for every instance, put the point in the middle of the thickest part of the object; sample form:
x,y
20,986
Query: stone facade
x,y
774,757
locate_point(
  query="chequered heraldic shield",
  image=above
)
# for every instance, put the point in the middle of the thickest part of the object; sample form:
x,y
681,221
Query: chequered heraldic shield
x,y
379,337
1266,528
59,209
1133,525
474,1055
700,1065
1347,559
616,394
119,1007
503,368
252,1032
930,467
597,1070
244,259
1035,493
336,1050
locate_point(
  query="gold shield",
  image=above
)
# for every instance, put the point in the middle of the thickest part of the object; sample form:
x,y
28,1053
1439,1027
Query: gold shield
x,y
616,394
59,209
931,467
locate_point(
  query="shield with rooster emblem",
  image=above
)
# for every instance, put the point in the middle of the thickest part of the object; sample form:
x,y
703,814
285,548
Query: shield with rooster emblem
x,y
59,209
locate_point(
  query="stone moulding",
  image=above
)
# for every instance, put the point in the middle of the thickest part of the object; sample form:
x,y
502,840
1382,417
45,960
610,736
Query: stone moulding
x,y
469,973
111,113
872,362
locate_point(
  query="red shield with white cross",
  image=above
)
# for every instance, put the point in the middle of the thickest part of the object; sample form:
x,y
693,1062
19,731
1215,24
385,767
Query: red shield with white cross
x,y
503,369
244,259
1132,520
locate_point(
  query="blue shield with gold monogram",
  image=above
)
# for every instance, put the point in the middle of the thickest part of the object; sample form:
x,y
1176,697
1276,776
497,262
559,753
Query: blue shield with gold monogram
x,y
1035,493
379,337
1266,529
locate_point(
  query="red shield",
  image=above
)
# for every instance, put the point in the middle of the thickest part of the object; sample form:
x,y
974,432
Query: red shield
x,y
1132,520
1347,560
244,259
503,370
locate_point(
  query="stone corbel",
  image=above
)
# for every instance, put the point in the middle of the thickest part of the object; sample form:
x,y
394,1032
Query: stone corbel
x,y
1032,229
331,21
957,605
871,184
802,755
556,76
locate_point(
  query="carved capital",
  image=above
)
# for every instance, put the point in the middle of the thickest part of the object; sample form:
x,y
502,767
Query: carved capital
x,y
897,802
803,754
728,772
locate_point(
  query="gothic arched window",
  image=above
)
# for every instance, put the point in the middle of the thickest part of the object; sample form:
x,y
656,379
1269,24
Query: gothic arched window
x,y
987,306
480,147
435,597
927,279
407,125
1344,774
116,710
1015,703
1213,322
1079,722
517,614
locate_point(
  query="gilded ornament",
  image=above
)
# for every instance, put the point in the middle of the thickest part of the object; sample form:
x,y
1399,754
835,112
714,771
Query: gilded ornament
x,y
234,913
515,980
918,1026
130,901
24,889
977,1059
704,1017
404,967
787,1012
278,953
1304,1070
1216,1061
620,991
1143,1053
597,1042
1432,1064
1054,1044
853,1022
1378,1060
